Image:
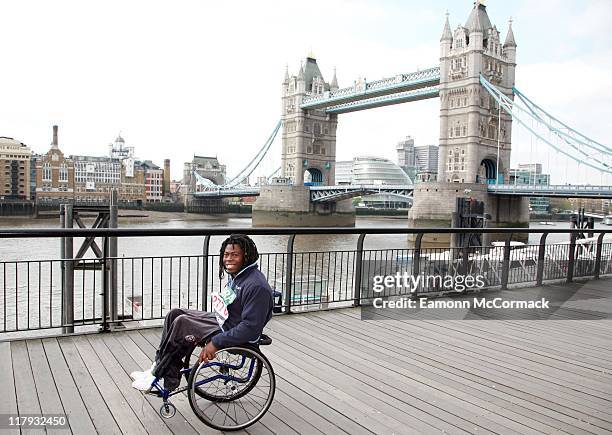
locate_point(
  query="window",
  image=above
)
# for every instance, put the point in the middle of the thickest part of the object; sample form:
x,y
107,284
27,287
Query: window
x,y
63,173
46,176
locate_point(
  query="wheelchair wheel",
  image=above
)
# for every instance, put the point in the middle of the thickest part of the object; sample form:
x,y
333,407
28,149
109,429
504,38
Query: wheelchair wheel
x,y
221,395
234,390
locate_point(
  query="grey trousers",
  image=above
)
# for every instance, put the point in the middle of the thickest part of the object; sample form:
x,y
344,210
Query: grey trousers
x,y
183,331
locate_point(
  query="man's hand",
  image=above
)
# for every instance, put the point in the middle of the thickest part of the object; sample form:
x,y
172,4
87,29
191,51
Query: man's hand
x,y
208,353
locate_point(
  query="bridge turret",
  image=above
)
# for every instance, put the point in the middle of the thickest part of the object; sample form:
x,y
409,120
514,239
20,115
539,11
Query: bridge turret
x,y
446,40
476,30
509,51
334,82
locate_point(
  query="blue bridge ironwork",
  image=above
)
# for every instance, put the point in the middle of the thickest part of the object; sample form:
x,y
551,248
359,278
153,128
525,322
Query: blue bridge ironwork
x,y
392,90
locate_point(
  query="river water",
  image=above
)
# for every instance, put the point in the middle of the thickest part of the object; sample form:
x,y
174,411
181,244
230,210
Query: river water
x,y
47,249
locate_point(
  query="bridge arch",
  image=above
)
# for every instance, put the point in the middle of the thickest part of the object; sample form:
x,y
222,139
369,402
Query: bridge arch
x,y
487,172
313,177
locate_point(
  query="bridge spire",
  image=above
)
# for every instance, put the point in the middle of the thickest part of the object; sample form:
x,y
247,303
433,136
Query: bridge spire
x,y
510,42
446,33
334,82
286,80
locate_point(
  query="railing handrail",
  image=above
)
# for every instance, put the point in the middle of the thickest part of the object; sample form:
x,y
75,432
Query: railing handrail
x,y
204,231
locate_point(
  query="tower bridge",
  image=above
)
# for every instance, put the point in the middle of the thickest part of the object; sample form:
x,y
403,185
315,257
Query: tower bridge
x,y
475,82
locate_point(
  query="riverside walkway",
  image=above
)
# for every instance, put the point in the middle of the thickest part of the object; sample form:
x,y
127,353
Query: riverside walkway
x,y
338,374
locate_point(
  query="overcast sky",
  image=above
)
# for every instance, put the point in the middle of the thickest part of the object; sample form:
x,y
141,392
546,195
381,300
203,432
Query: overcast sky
x,y
197,77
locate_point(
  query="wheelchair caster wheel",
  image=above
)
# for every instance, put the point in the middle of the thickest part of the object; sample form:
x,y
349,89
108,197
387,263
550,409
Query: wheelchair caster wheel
x,y
167,410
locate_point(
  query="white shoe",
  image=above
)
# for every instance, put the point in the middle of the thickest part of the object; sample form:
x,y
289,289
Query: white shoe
x,y
137,375
144,383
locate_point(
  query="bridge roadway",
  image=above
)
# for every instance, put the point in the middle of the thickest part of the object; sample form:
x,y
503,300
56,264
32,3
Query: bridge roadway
x,y
339,192
338,374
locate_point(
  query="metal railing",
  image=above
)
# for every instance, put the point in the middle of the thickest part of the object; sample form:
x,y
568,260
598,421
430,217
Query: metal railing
x,y
104,292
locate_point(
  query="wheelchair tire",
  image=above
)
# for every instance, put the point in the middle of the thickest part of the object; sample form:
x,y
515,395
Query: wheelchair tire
x,y
219,391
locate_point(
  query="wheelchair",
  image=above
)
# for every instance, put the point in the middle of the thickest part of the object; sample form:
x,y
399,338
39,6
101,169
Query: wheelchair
x,y
229,393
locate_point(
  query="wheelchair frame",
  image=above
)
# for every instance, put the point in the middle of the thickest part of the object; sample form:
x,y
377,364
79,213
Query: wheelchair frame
x,y
168,410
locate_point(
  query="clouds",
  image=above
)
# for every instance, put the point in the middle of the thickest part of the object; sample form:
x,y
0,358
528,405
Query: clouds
x,y
196,77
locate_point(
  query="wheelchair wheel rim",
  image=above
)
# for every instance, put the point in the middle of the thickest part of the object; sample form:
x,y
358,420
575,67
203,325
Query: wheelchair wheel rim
x,y
235,391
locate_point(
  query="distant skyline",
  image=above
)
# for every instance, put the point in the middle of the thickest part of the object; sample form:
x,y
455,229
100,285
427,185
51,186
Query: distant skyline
x,y
204,78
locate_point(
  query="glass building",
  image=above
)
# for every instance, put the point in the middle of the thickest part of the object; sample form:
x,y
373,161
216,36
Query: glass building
x,y
531,174
374,170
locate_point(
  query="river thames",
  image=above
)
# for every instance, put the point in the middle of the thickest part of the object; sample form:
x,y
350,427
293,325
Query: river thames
x,y
47,249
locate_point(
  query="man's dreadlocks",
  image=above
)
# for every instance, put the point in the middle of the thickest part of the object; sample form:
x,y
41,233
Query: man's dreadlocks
x,y
246,244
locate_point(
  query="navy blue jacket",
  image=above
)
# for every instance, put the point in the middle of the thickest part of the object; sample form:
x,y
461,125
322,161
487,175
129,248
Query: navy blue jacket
x,y
249,312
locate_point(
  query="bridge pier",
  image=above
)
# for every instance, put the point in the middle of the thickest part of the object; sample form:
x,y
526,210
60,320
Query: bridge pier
x,y
434,204
290,206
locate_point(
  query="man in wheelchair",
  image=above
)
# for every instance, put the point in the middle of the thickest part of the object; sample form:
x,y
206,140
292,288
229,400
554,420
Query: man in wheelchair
x,y
240,312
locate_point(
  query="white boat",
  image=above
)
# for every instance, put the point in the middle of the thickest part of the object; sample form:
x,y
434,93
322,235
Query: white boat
x,y
546,223
608,220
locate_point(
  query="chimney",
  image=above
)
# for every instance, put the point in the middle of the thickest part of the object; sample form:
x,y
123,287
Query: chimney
x,y
54,144
166,180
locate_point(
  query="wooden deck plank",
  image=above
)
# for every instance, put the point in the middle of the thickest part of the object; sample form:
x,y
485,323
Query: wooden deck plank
x,y
497,332
76,411
45,386
359,366
594,416
101,416
9,404
125,417
142,408
431,350
297,408
468,380
560,342
577,375
27,396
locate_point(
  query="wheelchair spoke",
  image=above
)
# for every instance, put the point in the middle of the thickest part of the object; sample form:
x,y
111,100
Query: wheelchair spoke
x,y
237,388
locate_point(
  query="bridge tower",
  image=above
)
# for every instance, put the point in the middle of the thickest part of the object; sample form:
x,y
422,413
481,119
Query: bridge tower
x,y
308,155
308,136
470,126
475,141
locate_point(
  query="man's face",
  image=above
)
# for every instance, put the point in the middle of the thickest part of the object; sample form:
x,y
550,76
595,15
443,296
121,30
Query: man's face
x,y
233,259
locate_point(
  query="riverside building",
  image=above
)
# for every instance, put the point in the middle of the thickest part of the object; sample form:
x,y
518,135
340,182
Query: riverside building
x,y
374,170
14,169
54,175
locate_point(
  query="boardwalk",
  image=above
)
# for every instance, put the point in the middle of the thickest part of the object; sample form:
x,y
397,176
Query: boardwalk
x,y
339,374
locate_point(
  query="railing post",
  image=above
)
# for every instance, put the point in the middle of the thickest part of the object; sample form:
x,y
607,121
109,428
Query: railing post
x,y
205,248
105,299
598,255
68,294
572,258
289,273
416,261
541,259
506,264
113,251
358,271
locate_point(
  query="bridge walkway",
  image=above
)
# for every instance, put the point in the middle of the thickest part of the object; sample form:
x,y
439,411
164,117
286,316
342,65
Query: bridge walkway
x,y
338,374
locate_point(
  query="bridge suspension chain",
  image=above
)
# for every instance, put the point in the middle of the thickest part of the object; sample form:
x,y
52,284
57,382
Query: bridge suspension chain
x,y
516,110
247,170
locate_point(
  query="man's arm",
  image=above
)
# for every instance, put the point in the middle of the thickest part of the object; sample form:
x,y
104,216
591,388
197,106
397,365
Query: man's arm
x,y
256,307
